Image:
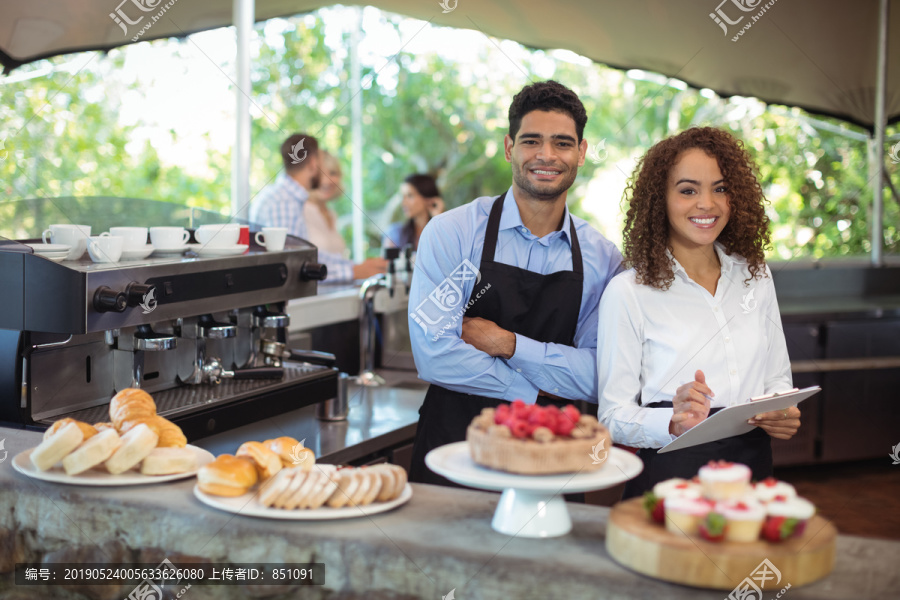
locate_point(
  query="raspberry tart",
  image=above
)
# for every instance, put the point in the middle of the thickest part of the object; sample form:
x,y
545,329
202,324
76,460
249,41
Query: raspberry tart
x,y
537,440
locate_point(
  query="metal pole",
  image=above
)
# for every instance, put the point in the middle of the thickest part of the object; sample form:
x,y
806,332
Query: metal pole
x,y
877,154
356,181
243,15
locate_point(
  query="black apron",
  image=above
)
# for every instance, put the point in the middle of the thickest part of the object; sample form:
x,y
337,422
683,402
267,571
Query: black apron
x,y
753,449
544,308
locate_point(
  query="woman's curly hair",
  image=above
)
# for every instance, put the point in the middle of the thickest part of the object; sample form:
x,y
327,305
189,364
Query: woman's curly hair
x,y
646,235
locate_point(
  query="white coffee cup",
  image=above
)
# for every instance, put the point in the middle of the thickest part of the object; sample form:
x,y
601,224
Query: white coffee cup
x,y
135,238
273,238
105,248
74,236
169,238
218,236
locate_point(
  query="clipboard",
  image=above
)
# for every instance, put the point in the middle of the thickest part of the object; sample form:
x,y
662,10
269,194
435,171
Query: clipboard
x,y
732,421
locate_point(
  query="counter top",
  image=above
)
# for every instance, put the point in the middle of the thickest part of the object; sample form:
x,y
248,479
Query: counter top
x,y
839,308
440,540
336,303
379,418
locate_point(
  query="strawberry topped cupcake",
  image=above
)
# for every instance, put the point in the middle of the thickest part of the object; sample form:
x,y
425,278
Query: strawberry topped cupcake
x,y
684,514
770,489
787,518
743,519
722,480
654,501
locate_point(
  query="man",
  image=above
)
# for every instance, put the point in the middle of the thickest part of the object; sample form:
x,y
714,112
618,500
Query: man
x,y
282,205
530,324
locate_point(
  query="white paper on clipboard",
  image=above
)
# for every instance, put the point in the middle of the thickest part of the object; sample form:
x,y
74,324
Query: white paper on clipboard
x,y
732,421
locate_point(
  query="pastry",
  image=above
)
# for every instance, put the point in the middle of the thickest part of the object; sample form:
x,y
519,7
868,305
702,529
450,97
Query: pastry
x,y
724,480
170,434
227,476
654,501
393,481
787,518
92,452
131,404
103,425
169,461
684,514
137,443
271,489
291,452
266,461
770,489
86,429
535,440
347,486
54,448
743,519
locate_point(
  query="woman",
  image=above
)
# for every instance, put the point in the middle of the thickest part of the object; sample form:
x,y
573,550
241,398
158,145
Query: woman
x,y
321,221
693,326
421,201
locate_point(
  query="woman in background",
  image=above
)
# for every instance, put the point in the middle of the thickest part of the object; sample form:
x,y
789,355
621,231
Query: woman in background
x,y
321,221
693,326
421,201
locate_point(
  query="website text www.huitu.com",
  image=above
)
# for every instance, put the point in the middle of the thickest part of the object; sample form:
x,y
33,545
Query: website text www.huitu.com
x,y
754,19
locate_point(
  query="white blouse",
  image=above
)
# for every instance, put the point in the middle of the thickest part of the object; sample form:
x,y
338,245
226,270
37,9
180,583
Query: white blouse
x,y
320,232
651,341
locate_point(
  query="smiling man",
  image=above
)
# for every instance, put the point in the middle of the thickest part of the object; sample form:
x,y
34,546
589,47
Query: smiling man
x,y
504,299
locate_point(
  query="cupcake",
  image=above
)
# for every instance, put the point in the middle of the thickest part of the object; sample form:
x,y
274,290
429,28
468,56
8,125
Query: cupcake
x,y
684,514
654,501
743,519
724,480
770,489
787,518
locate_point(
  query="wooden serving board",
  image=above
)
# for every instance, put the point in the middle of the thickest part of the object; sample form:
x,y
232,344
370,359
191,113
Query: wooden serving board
x,y
637,543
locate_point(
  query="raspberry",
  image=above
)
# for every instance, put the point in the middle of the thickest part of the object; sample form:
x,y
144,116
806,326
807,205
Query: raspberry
x,y
501,414
519,429
564,426
572,413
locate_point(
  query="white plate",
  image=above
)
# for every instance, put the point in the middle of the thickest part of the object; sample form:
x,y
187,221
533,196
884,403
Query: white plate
x,y
248,505
454,462
95,477
138,253
53,257
172,250
218,251
50,248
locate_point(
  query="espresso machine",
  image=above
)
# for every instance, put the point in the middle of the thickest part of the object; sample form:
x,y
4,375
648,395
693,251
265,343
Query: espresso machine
x,y
196,332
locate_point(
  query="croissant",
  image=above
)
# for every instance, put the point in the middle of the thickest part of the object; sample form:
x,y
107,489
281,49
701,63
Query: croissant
x,y
86,429
130,404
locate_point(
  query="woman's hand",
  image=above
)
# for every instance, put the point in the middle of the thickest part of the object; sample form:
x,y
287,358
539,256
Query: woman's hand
x,y
779,424
691,404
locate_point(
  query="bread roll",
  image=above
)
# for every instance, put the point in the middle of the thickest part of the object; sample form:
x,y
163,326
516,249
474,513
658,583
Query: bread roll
x,y
271,489
170,434
266,461
103,425
92,452
169,461
320,496
347,487
291,452
54,448
86,429
226,476
388,482
137,443
130,404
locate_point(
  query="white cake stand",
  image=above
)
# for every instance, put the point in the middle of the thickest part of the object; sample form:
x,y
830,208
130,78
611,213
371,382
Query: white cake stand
x,y
531,505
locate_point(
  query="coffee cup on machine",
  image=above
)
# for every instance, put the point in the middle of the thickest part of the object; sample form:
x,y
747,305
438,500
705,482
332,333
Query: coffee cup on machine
x,y
105,248
133,238
169,238
273,238
218,236
74,236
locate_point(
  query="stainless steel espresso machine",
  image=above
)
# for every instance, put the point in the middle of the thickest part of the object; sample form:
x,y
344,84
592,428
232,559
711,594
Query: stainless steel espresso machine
x,y
189,329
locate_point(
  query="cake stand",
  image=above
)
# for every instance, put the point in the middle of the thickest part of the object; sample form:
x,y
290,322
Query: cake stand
x,y
531,505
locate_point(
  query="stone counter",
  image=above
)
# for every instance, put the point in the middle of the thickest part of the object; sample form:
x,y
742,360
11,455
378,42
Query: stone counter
x,y
440,540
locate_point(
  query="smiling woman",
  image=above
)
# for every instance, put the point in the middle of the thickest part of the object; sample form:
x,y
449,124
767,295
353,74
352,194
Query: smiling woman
x,y
678,338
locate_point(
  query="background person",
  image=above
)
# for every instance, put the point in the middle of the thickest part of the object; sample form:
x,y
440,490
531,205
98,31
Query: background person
x,y
693,326
421,201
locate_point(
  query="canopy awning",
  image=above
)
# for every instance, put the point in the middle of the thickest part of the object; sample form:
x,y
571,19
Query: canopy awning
x,y
816,54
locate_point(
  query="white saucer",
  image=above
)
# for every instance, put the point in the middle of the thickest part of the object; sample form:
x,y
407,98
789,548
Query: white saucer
x,y
218,250
172,250
138,253
50,248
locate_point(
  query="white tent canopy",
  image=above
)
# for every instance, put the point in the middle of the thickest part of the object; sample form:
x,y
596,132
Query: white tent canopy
x,y
816,54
